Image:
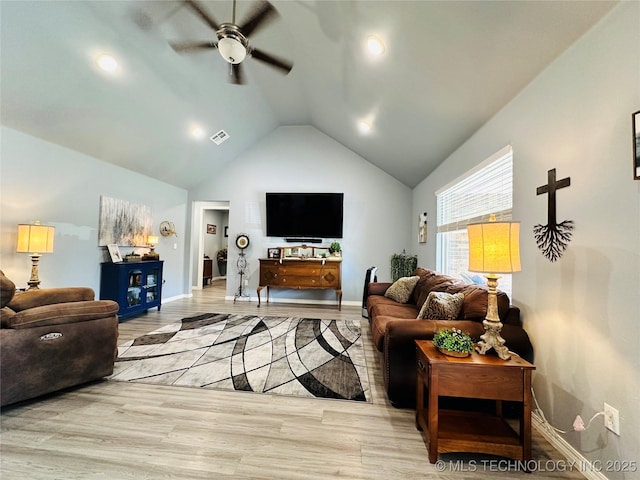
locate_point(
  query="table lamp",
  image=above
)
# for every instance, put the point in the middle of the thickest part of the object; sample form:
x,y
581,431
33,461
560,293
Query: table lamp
x,y
35,239
152,241
494,247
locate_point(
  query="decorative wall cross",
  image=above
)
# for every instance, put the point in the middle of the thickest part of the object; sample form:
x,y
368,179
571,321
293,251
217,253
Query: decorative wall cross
x,y
552,239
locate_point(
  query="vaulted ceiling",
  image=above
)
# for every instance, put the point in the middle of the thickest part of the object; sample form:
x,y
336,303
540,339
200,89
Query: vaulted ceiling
x,y
448,66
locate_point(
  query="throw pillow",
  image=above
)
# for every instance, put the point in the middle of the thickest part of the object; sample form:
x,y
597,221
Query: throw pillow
x,y
442,306
402,289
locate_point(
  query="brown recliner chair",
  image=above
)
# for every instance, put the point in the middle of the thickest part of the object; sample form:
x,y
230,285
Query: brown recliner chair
x,y
52,339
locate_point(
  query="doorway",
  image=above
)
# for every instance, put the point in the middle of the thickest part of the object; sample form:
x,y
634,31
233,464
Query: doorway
x,y
210,229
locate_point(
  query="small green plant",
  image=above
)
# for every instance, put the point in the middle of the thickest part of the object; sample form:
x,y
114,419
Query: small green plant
x,y
222,255
402,265
334,247
453,340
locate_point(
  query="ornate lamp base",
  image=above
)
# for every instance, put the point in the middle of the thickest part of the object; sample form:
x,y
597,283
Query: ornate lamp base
x,y
34,281
492,339
492,324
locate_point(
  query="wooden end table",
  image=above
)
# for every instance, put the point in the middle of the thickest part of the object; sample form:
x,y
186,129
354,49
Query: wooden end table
x,y
476,376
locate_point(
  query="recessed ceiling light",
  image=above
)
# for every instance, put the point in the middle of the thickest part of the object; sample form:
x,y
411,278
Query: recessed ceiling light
x,y
107,63
197,131
375,45
364,127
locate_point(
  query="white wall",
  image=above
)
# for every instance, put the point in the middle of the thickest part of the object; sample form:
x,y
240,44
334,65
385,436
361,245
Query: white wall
x,y
377,207
582,312
61,187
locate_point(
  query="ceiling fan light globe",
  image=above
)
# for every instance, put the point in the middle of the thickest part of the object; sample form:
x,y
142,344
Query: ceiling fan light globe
x,y
232,50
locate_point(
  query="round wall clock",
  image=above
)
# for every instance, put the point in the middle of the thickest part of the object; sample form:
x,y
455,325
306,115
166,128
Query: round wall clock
x,y
242,241
167,228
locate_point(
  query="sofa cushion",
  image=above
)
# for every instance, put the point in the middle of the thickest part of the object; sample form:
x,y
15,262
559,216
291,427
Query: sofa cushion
x,y
402,289
475,302
379,328
6,314
431,281
62,313
381,310
378,288
7,290
50,296
395,309
442,306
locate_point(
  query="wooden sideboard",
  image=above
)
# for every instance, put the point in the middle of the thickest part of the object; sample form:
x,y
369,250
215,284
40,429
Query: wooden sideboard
x,y
301,273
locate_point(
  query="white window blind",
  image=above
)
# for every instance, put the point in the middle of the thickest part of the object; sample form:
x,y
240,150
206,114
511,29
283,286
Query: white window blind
x,y
485,190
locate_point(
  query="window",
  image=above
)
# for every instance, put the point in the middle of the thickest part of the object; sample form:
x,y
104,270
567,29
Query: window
x,y
484,190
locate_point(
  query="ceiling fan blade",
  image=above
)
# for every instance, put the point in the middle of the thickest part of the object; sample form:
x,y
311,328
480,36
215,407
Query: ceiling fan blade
x,y
204,15
283,65
236,74
259,15
193,46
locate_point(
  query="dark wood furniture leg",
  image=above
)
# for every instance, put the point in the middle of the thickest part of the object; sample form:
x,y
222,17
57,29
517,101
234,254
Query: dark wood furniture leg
x,y
259,290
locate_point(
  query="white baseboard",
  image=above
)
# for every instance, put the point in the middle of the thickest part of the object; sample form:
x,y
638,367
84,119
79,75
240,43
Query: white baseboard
x,y
587,469
176,297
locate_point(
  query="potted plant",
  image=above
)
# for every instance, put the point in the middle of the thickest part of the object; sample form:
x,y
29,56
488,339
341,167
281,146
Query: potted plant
x,y
402,265
221,257
453,342
334,249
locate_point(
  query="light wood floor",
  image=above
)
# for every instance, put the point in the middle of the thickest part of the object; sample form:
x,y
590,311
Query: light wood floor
x,y
114,430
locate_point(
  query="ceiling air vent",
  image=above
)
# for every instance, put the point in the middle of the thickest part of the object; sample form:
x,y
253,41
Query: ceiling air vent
x,y
219,137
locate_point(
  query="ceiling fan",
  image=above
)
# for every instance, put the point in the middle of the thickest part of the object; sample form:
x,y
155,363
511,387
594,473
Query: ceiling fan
x,y
233,39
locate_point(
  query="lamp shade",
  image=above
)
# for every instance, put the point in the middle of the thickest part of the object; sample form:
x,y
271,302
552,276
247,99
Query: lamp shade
x,y
152,240
494,247
35,238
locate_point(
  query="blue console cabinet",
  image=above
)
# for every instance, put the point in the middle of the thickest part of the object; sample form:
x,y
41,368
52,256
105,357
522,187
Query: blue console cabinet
x,y
135,286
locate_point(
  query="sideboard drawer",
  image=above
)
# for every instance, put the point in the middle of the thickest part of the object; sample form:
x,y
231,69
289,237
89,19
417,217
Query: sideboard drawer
x,y
301,270
294,281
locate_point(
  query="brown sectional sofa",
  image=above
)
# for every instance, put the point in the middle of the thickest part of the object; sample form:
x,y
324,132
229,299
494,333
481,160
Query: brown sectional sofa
x,y
394,327
52,339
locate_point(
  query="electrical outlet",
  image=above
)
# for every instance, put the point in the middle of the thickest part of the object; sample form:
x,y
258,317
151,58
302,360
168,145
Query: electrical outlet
x,y
611,419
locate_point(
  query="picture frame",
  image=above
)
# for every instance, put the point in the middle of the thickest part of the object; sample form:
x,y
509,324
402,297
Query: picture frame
x,y
320,252
273,252
114,252
226,231
635,129
211,229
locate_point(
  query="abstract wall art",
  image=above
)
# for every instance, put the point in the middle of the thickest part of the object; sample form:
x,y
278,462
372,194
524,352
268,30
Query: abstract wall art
x,y
123,223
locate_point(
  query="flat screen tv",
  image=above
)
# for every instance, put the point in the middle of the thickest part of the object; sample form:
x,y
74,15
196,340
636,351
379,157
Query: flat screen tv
x,y
304,215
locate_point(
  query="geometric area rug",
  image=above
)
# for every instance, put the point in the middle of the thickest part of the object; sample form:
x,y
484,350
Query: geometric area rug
x,y
307,357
